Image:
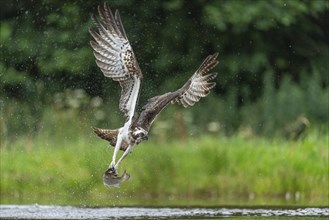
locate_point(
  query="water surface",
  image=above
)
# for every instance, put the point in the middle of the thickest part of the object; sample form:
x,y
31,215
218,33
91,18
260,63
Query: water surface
x,y
71,212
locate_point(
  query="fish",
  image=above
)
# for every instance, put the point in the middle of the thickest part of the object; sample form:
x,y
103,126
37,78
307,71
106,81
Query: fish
x,y
111,178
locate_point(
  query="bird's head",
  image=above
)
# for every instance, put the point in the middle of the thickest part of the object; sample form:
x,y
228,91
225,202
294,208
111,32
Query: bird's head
x,y
139,134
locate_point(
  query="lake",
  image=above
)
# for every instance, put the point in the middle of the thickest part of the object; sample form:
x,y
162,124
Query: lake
x,y
72,212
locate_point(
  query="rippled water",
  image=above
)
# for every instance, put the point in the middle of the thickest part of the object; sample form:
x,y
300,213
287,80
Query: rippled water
x,y
69,212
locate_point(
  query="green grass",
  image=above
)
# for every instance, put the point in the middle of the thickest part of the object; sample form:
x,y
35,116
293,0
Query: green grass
x,y
207,170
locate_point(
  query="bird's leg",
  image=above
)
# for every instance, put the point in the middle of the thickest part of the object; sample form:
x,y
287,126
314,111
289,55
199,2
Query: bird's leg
x,y
127,151
116,151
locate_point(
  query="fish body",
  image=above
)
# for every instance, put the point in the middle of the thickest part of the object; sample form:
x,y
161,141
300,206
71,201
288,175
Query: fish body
x,y
111,178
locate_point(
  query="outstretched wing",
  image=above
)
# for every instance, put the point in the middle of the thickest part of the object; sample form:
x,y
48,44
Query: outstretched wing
x,y
199,84
115,57
194,89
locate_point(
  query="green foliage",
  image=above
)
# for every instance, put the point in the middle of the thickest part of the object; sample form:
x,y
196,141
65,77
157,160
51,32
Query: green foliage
x,y
67,169
280,108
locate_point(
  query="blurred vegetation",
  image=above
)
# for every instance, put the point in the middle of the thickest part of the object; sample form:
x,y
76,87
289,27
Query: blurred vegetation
x,y
240,170
273,60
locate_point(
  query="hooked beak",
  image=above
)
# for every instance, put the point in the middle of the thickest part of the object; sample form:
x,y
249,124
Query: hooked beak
x,y
146,137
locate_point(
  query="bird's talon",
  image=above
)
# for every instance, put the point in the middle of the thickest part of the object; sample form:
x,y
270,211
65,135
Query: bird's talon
x,y
112,170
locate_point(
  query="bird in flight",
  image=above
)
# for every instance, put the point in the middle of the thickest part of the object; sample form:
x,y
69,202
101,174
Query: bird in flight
x,y
116,59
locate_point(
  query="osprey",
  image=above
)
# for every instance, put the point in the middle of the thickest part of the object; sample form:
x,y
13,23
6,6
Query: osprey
x,y
116,59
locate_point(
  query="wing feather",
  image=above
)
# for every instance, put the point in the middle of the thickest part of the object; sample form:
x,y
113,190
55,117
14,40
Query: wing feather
x,y
115,57
200,85
104,59
111,136
119,24
193,90
129,91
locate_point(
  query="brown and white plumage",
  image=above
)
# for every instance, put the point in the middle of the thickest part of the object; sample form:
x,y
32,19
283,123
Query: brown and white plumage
x,y
192,91
116,59
200,84
111,136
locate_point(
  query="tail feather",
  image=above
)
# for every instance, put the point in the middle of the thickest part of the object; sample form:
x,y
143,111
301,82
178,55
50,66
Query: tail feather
x,y
110,136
